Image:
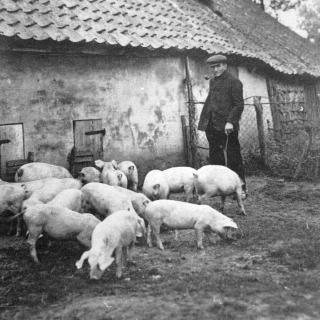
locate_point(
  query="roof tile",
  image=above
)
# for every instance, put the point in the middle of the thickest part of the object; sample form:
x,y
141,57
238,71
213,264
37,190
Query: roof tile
x,y
183,24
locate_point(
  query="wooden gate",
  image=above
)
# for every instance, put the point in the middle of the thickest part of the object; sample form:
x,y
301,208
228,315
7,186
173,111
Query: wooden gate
x,y
11,145
287,105
88,137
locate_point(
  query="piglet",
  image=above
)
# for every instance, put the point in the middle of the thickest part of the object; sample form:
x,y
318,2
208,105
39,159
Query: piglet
x,y
214,180
58,223
155,186
131,172
89,174
182,215
102,199
38,170
117,232
181,179
69,198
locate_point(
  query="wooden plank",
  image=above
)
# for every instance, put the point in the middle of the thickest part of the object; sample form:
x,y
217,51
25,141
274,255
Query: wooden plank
x,y
185,140
13,150
89,143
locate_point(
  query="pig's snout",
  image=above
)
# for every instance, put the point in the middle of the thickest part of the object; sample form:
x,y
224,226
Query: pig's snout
x,y
95,273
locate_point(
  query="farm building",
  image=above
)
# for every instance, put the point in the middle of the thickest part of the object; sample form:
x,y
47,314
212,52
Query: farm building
x,y
112,79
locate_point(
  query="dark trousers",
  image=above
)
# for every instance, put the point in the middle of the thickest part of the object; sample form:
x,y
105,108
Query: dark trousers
x,y
217,143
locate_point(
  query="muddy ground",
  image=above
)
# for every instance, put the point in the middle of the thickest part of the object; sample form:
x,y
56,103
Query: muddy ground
x,y
270,272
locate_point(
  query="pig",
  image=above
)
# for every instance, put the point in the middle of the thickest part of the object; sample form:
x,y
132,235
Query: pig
x,y
131,172
11,199
50,190
116,232
215,180
112,165
3,182
68,198
155,186
181,179
28,189
182,215
89,174
139,200
103,199
114,178
38,170
58,223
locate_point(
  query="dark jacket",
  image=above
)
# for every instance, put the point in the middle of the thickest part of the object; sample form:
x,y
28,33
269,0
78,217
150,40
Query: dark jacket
x,y
224,103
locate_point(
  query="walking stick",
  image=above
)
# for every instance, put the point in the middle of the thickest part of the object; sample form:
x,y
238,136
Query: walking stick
x,y
225,151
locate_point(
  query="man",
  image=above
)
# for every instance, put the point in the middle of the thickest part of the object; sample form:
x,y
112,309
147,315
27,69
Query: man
x,y
220,117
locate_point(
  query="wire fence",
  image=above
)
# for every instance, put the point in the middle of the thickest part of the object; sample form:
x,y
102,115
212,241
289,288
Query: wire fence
x,y
248,134
286,152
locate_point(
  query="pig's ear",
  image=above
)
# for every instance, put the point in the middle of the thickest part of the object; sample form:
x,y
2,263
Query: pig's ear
x,y
104,261
119,176
195,175
230,224
130,169
99,163
145,202
114,163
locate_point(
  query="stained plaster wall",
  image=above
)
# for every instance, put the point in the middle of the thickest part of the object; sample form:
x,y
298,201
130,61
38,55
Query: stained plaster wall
x,y
140,102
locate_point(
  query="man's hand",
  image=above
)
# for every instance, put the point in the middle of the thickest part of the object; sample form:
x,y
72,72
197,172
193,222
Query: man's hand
x,y
228,128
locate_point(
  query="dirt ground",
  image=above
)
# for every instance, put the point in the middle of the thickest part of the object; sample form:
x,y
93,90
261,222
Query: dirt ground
x,y
270,272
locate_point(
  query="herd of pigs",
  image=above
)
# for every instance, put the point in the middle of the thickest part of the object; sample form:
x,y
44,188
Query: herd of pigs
x,y
104,211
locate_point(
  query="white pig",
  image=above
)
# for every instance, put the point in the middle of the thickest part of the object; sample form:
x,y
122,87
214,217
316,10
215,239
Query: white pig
x,y
103,199
11,199
50,190
38,170
215,180
69,198
139,200
181,179
131,172
117,232
114,178
155,185
182,215
111,165
89,174
58,223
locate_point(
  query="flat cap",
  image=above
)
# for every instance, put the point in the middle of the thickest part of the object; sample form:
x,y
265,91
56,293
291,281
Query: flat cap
x,y
216,59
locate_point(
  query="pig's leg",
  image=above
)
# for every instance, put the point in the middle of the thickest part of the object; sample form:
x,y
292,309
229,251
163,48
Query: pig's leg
x,y
118,253
130,251
199,234
239,201
34,233
149,240
130,254
189,193
223,201
19,224
156,230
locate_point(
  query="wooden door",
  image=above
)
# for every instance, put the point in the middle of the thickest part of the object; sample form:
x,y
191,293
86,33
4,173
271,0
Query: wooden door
x,y
88,136
14,149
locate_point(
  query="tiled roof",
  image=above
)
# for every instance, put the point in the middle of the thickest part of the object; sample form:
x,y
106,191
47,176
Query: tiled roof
x,y
244,29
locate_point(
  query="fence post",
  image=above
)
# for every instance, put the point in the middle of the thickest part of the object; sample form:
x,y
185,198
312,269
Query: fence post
x,y
261,134
186,140
192,115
